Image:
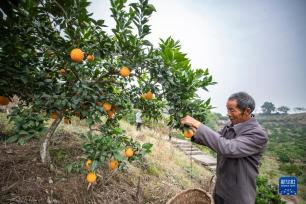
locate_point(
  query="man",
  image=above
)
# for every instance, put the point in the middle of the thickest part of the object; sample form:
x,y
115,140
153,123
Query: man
x,y
138,120
239,146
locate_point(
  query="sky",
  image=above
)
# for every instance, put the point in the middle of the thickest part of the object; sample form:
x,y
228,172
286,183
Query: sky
x,y
256,46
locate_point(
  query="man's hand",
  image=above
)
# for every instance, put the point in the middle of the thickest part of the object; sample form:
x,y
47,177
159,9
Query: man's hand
x,y
193,123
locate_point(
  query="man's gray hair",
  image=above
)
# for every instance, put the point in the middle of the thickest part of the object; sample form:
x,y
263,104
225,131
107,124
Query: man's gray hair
x,y
244,101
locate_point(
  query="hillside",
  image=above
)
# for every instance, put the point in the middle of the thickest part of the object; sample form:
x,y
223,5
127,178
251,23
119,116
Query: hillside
x,y
286,151
163,173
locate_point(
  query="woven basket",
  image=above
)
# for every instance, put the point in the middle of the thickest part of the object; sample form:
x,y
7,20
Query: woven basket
x,y
192,196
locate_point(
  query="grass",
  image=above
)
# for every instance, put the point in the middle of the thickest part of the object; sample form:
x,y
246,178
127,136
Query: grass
x,y
162,174
168,162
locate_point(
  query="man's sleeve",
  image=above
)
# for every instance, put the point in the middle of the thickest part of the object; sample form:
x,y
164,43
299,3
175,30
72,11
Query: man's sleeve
x,y
243,145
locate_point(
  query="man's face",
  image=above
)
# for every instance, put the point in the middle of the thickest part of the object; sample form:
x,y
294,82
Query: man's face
x,y
235,114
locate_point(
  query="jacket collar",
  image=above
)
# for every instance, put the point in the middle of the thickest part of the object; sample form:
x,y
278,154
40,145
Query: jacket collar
x,y
241,127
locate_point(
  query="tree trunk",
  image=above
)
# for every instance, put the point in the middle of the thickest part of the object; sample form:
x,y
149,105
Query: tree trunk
x,y
44,150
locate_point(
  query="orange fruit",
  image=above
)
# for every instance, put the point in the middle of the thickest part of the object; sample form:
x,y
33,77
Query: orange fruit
x,y
149,95
77,55
107,106
54,115
87,164
124,71
62,71
4,101
67,121
113,164
90,58
110,114
91,177
129,152
188,133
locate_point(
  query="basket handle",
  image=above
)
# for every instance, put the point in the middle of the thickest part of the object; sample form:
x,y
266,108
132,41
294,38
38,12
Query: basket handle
x,y
211,184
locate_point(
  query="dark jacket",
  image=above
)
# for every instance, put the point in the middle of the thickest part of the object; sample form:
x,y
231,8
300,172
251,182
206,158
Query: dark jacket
x,y
239,149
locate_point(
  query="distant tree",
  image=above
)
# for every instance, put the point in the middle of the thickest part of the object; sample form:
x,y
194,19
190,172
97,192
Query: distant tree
x,y
268,108
299,109
283,109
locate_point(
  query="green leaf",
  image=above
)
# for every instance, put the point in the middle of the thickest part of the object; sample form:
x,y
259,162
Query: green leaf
x,y
118,156
23,133
12,139
94,165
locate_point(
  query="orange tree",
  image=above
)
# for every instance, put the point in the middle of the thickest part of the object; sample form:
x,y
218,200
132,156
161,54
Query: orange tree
x,y
62,63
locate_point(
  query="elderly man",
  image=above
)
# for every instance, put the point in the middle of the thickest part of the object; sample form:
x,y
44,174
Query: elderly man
x,y
138,120
239,146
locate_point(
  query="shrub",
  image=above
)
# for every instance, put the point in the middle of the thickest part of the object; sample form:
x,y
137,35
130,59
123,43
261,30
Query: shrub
x,y
266,193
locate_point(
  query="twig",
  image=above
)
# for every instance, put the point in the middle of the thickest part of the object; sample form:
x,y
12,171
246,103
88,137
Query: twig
x,y
3,189
111,176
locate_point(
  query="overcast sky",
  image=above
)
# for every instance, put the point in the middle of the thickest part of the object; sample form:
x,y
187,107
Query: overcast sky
x,y
257,46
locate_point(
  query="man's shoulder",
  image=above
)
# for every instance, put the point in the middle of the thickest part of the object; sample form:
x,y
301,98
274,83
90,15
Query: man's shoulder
x,y
251,126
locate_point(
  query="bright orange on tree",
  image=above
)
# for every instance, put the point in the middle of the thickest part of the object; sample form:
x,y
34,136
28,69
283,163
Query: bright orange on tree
x,y
77,55
87,164
129,152
91,177
148,95
110,114
188,133
4,100
113,164
107,106
124,71
90,58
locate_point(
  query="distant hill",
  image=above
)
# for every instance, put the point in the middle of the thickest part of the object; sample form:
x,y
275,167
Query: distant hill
x,y
287,136
286,148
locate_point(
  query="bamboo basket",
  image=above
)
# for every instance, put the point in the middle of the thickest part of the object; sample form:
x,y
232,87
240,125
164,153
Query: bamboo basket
x,y
192,196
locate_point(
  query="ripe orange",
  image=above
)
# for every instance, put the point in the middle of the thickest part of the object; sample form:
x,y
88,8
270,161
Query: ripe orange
x,y
90,58
62,71
77,55
107,106
87,164
110,114
188,133
54,115
124,71
113,164
91,177
149,95
4,101
67,121
129,152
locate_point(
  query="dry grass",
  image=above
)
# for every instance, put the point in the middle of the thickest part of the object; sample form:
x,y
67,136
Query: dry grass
x,y
163,173
168,163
